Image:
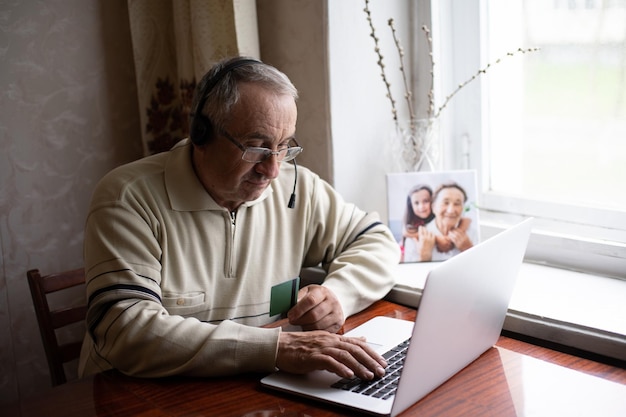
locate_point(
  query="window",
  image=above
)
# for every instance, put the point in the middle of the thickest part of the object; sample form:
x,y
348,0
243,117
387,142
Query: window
x,y
566,109
546,130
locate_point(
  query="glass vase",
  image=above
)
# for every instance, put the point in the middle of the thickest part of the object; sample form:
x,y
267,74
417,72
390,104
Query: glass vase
x,y
416,146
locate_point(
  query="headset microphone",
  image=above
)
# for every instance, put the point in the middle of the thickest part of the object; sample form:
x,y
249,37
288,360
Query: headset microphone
x,y
292,199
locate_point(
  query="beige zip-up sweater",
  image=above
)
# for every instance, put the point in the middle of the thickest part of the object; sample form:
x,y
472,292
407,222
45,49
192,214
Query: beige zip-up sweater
x,y
178,285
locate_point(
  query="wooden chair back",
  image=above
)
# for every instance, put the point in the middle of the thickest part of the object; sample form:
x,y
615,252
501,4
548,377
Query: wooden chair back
x,y
50,320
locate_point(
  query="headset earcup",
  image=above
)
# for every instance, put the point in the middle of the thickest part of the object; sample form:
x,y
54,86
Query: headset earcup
x,y
200,129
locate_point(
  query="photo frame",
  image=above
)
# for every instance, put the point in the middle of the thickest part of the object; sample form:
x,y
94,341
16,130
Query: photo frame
x,y
447,225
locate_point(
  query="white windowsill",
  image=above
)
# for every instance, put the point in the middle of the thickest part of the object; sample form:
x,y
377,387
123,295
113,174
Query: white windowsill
x,y
570,308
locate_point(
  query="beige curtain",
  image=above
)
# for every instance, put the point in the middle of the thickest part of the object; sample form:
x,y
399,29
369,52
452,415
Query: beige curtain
x,y
174,43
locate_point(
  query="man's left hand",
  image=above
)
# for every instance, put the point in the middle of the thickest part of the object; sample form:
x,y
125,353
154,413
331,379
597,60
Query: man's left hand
x,y
317,309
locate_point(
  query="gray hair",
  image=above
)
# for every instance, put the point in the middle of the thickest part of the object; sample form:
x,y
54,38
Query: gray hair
x,y
224,93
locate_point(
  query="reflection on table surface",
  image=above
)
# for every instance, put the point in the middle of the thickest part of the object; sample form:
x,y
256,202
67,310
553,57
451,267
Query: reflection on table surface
x,y
540,388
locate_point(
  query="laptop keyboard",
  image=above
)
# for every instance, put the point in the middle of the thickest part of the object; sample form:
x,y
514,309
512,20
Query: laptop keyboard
x,y
384,387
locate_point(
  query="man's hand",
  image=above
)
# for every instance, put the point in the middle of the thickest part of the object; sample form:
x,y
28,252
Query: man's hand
x,y
302,352
317,309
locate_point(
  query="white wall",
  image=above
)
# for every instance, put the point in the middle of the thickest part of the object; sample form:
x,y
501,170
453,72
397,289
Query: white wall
x,y
361,118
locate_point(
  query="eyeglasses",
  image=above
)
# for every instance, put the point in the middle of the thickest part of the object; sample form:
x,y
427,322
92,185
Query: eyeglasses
x,y
255,154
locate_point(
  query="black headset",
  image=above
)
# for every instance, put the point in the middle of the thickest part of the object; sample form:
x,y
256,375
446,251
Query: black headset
x,y
201,126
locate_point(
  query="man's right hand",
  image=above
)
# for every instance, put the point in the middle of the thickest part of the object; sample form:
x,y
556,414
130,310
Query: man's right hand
x,y
302,352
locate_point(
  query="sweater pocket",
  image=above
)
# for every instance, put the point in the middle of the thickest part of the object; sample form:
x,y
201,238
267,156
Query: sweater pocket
x,y
184,303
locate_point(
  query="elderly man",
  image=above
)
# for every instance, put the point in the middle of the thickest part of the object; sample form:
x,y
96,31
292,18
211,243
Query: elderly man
x,y
182,248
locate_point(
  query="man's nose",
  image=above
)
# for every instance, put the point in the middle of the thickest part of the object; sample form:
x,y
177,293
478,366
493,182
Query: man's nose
x,y
269,167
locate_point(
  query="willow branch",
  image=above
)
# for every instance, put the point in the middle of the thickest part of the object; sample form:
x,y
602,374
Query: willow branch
x,y
381,63
478,74
408,95
431,90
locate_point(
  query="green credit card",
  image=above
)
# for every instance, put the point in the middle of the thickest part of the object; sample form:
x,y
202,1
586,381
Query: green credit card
x,y
284,296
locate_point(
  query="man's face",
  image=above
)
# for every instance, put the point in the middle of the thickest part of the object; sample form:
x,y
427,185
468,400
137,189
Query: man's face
x,y
260,119
448,208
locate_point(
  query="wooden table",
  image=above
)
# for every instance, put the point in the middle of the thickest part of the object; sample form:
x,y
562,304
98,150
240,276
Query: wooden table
x,y
512,379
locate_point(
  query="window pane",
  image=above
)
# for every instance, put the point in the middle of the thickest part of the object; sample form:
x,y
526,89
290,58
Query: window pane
x,y
557,116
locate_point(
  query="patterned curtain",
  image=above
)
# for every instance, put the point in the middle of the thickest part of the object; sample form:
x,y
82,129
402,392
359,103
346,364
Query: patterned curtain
x,y
174,43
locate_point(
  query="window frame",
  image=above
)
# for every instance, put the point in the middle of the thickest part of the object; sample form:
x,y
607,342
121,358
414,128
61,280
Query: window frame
x,y
566,236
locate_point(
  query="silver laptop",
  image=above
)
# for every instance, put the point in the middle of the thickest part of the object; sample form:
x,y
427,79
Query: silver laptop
x,y
460,316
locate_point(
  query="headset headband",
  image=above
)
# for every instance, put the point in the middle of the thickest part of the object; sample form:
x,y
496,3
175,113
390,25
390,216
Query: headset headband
x,y
218,77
